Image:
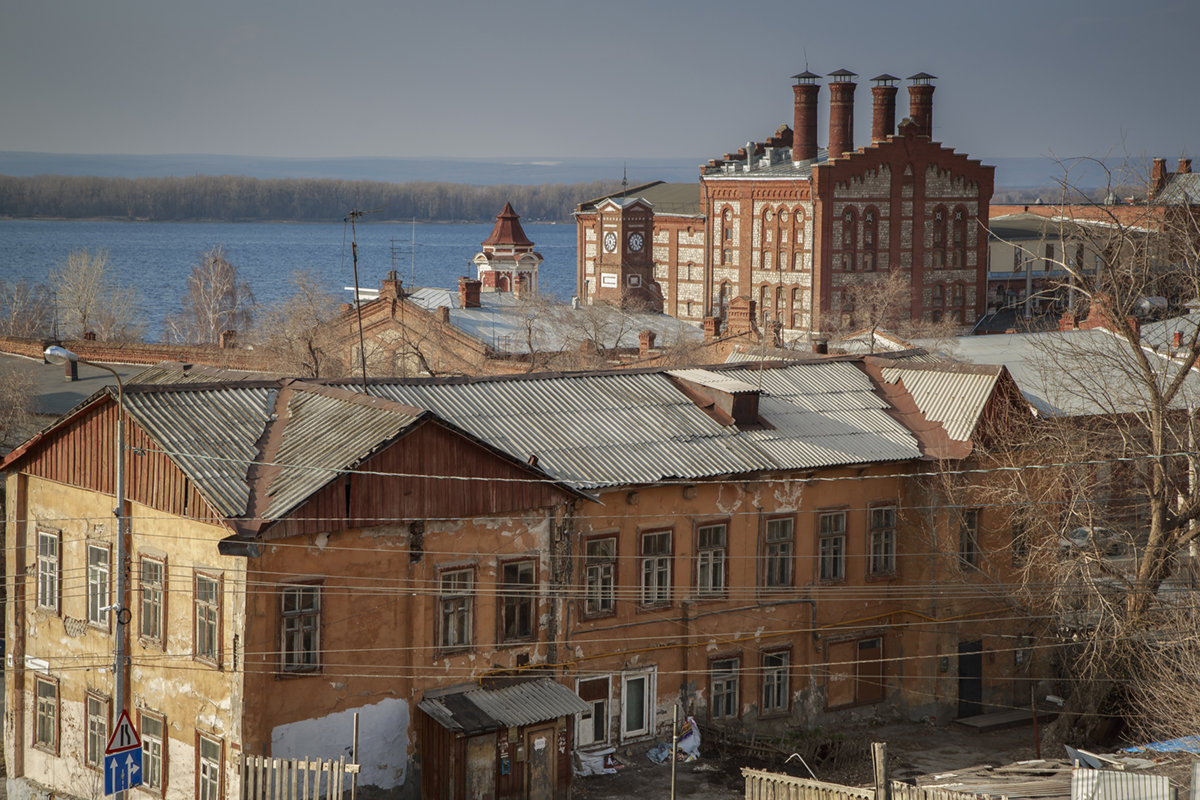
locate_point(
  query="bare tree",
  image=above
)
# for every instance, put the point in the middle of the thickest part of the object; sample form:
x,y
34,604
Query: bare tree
x,y
872,303
298,333
216,301
26,309
17,391
91,300
1107,531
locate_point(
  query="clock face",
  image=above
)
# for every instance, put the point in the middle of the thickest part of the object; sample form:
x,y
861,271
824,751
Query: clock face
x,y
635,242
610,242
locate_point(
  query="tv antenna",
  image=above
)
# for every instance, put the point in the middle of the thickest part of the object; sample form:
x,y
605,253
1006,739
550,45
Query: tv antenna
x,y
362,347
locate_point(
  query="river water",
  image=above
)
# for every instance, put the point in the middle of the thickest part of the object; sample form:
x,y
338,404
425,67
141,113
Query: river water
x,y
155,258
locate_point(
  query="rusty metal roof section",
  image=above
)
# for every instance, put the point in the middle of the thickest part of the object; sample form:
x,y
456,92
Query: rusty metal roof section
x,y
954,397
627,428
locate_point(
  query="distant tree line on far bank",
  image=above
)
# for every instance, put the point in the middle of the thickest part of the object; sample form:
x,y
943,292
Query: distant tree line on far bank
x,y
236,198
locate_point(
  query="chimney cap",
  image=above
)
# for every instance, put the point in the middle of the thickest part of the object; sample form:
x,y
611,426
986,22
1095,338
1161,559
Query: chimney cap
x,y
922,78
806,77
885,80
843,75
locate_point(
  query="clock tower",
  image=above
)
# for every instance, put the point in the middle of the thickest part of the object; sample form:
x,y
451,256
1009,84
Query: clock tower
x,y
624,263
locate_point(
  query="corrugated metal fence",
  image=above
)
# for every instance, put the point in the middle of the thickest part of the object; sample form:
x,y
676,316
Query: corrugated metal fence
x,y
1102,784
773,786
266,778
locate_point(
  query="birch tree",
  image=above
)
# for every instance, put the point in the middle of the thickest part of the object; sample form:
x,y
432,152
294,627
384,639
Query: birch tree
x,y
215,300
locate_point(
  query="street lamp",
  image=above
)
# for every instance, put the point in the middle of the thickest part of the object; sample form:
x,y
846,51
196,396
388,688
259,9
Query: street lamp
x,y
61,355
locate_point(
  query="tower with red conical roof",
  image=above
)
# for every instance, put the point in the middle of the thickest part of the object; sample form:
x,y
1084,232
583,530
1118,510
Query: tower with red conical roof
x,y
508,262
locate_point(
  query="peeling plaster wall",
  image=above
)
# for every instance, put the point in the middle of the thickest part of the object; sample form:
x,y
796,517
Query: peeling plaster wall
x,y
382,739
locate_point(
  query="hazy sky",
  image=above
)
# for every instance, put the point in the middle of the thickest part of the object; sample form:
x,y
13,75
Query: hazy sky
x,y
556,78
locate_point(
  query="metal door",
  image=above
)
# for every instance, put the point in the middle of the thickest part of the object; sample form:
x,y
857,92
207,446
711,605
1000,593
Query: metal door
x,y
970,678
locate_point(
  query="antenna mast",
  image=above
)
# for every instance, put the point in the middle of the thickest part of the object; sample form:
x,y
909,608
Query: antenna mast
x,y
362,347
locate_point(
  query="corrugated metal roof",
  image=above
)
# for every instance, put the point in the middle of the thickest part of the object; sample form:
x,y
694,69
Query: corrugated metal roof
x,y
481,710
713,380
1181,189
955,399
212,434
610,429
527,703
323,435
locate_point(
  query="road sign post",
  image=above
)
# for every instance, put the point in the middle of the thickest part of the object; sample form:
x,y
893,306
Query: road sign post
x,y
123,757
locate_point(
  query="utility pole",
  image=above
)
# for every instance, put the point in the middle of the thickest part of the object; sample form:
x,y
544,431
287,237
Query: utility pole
x,y
362,347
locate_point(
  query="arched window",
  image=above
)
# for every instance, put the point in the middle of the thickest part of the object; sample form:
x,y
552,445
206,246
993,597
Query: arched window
x,y
796,307
798,237
937,251
958,238
937,302
723,298
956,302
849,238
764,295
870,239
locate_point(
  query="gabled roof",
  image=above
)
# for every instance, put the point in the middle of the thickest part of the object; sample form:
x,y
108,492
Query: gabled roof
x,y
680,199
955,398
1181,189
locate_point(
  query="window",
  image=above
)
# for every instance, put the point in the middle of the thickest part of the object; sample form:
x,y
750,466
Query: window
x,y
776,691
456,603
958,255
519,592
600,556
832,546
48,569
300,618
777,553
656,568
98,574
45,725
1020,542
207,610
97,731
968,537
937,255
849,238
208,768
637,704
153,752
870,238
593,723
723,680
152,583
883,541
710,560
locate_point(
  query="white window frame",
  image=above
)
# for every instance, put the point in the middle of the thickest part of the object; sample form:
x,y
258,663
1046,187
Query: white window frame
x,y
152,601
154,751
776,681
96,717
656,567
99,576
586,721
649,702
711,542
46,721
207,612
831,546
208,769
600,556
49,570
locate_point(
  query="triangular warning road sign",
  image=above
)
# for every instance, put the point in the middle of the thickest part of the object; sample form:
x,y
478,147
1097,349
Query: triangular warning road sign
x,y
124,736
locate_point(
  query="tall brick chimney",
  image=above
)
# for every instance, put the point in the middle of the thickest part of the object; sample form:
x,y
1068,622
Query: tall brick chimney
x,y
1185,166
804,127
883,111
468,293
920,102
1158,176
841,112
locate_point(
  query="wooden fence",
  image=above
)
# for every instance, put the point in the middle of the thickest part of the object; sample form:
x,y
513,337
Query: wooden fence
x,y
774,786
266,778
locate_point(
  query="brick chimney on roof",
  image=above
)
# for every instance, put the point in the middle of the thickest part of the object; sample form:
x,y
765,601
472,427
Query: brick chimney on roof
x,y
920,102
1185,166
1158,176
804,128
883,110
468,293
841,112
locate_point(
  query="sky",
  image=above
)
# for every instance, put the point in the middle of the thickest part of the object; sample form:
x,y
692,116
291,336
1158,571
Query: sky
x,y
566,79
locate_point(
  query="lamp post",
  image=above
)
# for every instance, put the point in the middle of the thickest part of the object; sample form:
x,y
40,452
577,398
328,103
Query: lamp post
x,y
61,355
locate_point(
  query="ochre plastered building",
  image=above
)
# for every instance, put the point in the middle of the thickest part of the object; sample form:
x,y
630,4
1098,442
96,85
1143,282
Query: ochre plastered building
x,y
754,545
796,227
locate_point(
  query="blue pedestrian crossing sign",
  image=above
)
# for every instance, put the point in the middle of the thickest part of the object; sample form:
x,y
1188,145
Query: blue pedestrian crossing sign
x,y
123,757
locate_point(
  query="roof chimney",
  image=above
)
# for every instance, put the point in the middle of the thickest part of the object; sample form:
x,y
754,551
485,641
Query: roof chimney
x,y
883,116
1158,176
920,102
841,112
646,342
804,128
1185,166
468,293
